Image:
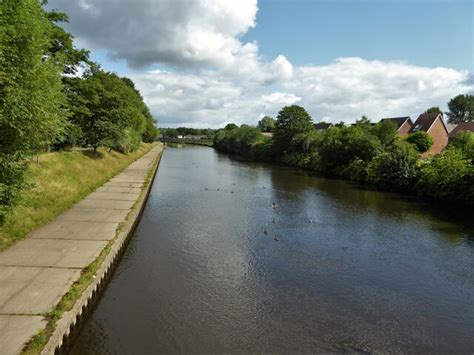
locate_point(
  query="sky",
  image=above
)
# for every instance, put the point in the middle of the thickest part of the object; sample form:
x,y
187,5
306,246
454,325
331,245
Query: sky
x,y
205,63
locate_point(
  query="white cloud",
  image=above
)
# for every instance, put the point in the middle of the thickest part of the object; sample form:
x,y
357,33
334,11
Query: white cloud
x,y
217,78
351,87
340,91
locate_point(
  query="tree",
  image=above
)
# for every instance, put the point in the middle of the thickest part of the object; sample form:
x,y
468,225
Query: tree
x,y
464,141
291,120
230,126
266,124
461,109
31,99
421,140
386,132
61,46
434,109
395,169
109,111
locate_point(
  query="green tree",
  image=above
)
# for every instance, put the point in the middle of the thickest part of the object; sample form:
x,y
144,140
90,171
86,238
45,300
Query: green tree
x,y
230,126
434,109
291,120
386,132
61,46
461,109
421,140
395,169
449,175
108,110
464,141
266,124
31,99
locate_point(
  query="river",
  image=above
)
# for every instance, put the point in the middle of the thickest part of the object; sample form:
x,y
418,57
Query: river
x,y
213,267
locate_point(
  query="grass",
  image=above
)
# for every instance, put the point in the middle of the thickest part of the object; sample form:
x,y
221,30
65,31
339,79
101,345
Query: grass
x,y
38,342
57,182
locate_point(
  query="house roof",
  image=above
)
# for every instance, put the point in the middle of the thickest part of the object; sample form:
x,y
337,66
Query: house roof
x,y
425,121
398,120
322,125
461,127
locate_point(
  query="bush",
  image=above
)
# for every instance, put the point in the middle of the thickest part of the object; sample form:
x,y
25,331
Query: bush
x,y
421,140
464,141
449,175
12,181
394,170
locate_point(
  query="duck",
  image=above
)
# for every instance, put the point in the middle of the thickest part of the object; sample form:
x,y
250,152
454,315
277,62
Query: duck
x,y
275,238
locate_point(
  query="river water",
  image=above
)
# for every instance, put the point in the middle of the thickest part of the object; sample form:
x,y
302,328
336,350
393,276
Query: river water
x,y
213,267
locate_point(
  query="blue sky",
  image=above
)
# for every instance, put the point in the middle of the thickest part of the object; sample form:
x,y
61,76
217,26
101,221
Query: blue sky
x,y
206,63
426,33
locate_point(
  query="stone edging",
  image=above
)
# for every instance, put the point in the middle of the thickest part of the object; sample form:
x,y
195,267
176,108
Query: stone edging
x,y
71,320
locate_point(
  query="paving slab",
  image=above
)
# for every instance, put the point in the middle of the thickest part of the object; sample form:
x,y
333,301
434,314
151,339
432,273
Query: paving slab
x,y
76,230
16,330
116,196
103,204
126,179
93,215
131,190
121,184
33,290
52,253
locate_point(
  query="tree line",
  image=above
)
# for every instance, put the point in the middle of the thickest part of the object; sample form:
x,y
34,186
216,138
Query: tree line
x,y
363,152
44,102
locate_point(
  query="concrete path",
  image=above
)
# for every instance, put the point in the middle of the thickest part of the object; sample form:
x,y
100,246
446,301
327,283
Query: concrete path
x,y
36,272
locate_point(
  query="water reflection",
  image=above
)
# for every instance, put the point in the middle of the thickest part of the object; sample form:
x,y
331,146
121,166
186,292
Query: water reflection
x,y
352,270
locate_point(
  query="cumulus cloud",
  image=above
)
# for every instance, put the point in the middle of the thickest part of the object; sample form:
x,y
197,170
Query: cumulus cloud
x,y
340,91
213,77
351,87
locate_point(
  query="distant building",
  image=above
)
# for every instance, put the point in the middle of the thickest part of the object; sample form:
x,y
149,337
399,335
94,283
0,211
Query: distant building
x,y
194,137
402,124
179,137
267,134
461,127
322,125
433,124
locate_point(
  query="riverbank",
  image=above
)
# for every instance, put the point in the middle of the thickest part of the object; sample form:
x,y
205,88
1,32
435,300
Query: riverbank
x,y
369,155
58,180
52,277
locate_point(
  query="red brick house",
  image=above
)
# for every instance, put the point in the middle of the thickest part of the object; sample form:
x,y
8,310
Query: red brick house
x,y
462,127
433,124
403,124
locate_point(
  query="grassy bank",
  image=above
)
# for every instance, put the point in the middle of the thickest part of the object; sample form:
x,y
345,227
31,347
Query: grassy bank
x,y
58,181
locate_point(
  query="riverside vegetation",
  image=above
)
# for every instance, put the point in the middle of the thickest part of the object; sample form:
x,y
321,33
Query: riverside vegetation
x,y
45,105
364,153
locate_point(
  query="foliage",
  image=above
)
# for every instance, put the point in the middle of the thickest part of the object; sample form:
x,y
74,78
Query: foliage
x,y
266,124
395,169
291,120
342,145
230,126
449,175
464,141
434,109
461,109
31,99
109,110
386,132
241,140
421,140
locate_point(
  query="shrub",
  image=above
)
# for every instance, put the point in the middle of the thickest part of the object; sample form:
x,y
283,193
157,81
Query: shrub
x,y
421,140
449,175
394,170
464,141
